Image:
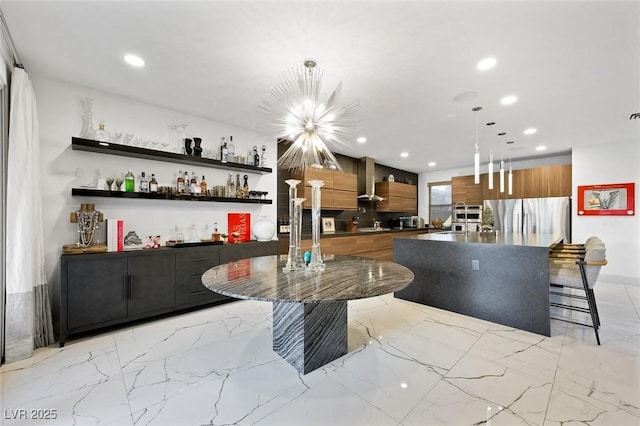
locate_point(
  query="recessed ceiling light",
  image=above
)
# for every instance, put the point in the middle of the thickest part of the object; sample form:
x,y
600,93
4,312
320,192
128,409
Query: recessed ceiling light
x,y
134,60
361,139
404,154
508,100
486,64
541,148
530,131
431,164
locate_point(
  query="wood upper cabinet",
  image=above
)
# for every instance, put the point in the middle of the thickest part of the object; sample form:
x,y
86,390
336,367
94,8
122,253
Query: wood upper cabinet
x,y
458,189
474,191
532,184
550,181
558,180
340,190
495,194
398,197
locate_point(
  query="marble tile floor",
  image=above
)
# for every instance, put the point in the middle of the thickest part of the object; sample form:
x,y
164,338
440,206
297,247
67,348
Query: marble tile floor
x,y
407,364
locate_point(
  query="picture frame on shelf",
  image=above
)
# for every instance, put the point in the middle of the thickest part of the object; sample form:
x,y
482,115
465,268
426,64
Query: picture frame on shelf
x,y
328,225
615,199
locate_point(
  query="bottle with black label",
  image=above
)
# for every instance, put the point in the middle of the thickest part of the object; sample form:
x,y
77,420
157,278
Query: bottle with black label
x,y
224,151
256,156
153,184
231,150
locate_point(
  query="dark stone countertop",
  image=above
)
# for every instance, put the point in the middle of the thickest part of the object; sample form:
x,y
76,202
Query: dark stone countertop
x,y
344,278
506,239
357,233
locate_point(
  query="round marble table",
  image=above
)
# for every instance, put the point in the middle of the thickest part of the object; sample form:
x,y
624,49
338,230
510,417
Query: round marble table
x,y
309,308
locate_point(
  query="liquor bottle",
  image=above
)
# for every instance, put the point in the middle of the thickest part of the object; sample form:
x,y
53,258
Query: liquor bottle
x,y
256,157
129,182
203,186
153,184
144,183
238,187
187,183
245,187
282,225
101,134
180,182
231,148
250,158
193,183
231,189
224,151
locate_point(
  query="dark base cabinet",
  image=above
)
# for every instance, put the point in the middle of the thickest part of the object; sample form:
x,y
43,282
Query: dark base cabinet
x,y
100,290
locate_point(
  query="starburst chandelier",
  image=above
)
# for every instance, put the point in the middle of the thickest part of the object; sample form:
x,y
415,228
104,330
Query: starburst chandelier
x,y
295,113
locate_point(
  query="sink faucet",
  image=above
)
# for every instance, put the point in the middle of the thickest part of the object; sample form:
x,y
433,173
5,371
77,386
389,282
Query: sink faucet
x,y
466,219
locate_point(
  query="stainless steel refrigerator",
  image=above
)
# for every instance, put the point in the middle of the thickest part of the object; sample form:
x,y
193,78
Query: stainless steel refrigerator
x,y
549,215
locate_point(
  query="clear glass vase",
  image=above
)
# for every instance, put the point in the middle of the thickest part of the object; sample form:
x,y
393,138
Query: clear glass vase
x,y
87,132
316,263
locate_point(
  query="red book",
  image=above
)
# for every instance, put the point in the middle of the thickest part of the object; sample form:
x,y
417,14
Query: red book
x,y
239,223
120,235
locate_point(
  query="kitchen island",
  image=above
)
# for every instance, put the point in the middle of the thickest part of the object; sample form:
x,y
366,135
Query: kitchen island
x,y
503,278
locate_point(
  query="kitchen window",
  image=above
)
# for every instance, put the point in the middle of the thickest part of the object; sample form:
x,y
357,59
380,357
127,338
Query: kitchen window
x,y
440,200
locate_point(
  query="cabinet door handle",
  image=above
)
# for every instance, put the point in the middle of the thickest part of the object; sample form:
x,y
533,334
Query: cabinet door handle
x,y
131,286
198,259
196,276
125,281
198,293
128,286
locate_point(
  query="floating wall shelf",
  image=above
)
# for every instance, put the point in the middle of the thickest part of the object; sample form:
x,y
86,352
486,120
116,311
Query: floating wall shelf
x,y
90,192
80,144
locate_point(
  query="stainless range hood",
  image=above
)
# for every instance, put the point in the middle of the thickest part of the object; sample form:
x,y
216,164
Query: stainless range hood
x,y
367,180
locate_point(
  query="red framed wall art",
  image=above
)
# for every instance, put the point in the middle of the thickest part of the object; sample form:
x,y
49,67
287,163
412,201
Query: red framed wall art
x,y
615,199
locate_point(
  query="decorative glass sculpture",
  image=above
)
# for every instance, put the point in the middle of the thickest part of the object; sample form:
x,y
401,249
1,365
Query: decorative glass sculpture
x,y
87,132
316,263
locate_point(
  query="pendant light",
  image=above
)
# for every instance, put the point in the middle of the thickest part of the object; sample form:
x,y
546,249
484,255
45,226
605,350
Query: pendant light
x,y
476,155
502,166
491,123
510,178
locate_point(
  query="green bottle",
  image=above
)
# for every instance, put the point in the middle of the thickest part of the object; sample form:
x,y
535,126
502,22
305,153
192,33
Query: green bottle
x,y
129,182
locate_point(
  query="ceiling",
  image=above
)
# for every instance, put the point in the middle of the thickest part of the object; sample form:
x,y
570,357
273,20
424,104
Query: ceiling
x,y
574,66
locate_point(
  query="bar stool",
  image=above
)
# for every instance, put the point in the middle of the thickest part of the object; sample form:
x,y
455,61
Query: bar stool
x,y
577,267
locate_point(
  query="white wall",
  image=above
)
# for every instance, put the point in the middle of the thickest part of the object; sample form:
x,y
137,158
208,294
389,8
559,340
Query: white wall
x,y
60,111
617,162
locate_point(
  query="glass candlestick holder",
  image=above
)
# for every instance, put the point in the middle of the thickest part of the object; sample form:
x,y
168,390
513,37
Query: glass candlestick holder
x,y
316,263
293,258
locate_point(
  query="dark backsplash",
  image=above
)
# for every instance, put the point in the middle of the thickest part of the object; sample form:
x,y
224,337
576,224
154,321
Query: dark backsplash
x,y
366,209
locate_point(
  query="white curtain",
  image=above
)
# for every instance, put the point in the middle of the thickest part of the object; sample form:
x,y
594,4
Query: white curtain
x,y
28,314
